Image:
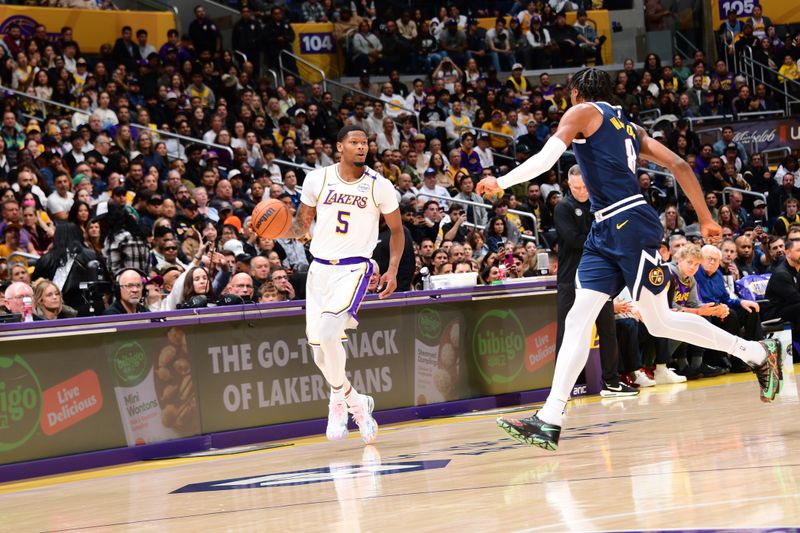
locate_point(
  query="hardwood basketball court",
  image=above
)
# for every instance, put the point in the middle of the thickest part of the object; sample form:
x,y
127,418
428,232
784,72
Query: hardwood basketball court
x,y
707,455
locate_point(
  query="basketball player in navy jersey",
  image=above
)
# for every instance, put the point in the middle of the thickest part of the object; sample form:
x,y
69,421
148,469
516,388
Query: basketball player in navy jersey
x,y
621,249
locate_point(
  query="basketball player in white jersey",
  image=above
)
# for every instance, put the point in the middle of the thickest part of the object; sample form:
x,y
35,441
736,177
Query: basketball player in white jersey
x,y
348,200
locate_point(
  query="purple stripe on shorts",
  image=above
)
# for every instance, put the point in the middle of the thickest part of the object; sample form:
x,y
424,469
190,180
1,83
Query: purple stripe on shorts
x,y
360,292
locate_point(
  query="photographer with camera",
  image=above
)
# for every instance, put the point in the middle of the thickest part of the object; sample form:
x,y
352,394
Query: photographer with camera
x,y
78,271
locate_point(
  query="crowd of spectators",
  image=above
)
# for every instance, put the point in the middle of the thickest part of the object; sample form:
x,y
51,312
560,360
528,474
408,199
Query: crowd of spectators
x,y
537,36
119,216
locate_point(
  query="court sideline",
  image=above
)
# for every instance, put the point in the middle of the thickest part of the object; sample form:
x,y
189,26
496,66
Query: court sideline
x,y
706,455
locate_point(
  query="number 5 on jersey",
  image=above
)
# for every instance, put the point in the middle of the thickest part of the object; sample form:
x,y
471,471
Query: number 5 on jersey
x,y
343,223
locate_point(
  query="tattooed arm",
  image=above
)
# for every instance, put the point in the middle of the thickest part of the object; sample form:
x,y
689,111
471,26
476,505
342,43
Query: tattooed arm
x,y
302,222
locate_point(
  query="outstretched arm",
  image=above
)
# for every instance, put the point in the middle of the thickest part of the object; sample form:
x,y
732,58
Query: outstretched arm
x,y
302,222
583,119
656,152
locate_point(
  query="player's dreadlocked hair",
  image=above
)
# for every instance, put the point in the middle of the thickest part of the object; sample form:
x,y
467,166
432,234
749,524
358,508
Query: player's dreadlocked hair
x,y
592,85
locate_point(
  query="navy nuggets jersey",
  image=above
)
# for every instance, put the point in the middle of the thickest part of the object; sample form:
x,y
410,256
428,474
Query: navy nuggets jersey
x,y
609,158
622,246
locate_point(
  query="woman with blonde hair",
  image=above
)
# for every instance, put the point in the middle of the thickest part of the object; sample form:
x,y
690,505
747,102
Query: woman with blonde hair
x,y
124,139
48,303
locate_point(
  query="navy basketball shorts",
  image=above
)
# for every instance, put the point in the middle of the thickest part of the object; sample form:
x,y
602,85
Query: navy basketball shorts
x,y
622,250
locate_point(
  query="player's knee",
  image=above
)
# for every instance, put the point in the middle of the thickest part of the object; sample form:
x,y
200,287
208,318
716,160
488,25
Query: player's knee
x,y
657,322
325,339
328,335
331,328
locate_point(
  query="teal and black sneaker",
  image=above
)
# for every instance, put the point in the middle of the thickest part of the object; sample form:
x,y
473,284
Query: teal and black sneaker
x,y
770,373
531,430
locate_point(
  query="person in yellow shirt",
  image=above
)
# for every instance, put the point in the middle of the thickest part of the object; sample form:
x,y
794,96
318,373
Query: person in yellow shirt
x,y
558,98
284,131
498,125
788,69
518,82
454,168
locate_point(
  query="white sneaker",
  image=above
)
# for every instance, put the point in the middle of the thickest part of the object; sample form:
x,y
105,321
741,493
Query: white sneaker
x,y
642,380
337,421
362,415
666,376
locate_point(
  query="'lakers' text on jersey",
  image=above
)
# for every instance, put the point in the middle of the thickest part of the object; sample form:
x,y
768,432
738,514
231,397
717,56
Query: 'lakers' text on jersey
x,y
347,212
609,158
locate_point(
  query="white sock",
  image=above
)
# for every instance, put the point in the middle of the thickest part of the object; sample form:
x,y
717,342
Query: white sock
x,y
750,352
338,394
552,412
574,352
351,397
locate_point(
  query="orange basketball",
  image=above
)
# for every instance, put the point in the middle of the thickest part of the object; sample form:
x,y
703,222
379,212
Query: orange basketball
x,y
271,218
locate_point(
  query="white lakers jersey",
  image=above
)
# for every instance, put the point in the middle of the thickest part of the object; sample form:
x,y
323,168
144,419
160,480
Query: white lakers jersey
x,y
347,213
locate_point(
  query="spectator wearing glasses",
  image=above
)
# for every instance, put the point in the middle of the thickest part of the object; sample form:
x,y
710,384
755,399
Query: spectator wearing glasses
x,y
241,285
128,299
280,278
14,295
743,313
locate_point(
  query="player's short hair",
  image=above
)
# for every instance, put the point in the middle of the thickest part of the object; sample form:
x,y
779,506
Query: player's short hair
x,y
592,85
344,132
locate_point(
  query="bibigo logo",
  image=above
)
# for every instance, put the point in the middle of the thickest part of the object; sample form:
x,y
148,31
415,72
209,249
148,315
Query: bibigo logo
x,y
498,346
130,363
429,323
20,402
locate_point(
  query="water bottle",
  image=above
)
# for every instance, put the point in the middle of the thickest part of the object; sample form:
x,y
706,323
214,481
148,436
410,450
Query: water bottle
x,y
543,263
27,309
426,278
